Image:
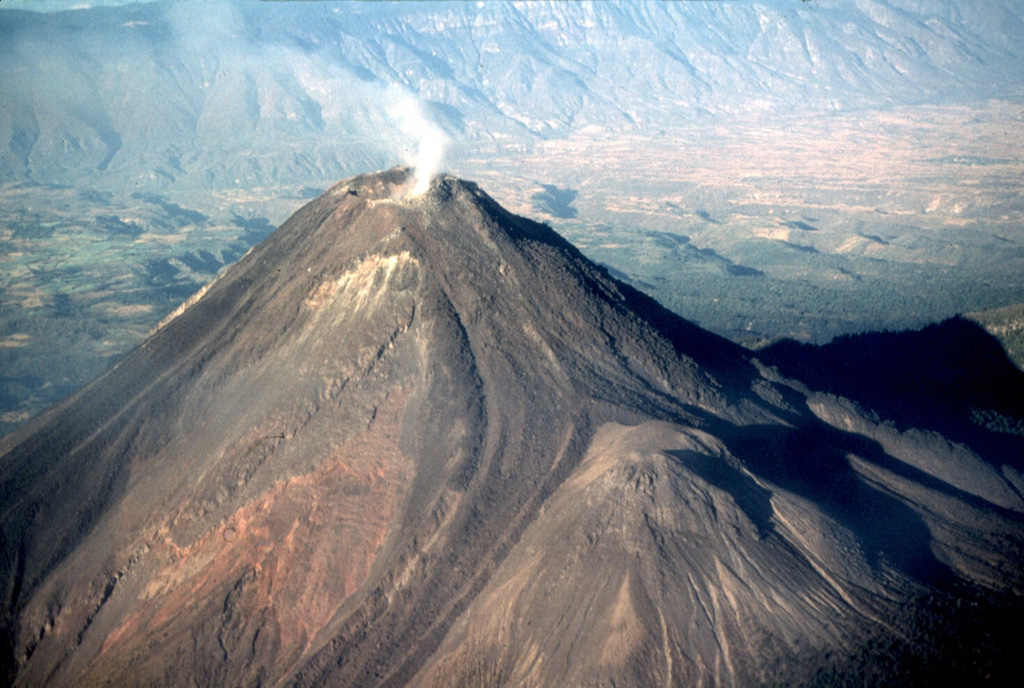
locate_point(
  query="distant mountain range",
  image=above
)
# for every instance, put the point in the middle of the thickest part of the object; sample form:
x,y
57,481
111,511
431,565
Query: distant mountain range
x,y
767,169
229,94
423,441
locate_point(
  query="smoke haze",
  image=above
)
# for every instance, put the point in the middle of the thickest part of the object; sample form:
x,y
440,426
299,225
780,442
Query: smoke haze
x,y
423,141
252,89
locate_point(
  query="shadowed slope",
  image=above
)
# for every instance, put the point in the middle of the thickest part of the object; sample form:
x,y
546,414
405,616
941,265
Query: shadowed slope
x,y
952,378
439,309
421,440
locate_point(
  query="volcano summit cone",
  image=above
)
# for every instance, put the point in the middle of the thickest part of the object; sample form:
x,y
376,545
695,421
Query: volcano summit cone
x,y
423,441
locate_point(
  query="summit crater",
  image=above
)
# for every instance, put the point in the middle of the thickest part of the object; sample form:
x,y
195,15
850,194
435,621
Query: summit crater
x,y
424,441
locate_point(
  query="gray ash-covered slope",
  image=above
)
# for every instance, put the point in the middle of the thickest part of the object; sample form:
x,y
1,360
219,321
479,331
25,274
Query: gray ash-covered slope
x,y
421,441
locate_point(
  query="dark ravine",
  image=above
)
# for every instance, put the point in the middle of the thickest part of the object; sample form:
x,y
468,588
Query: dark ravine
x,y
422,441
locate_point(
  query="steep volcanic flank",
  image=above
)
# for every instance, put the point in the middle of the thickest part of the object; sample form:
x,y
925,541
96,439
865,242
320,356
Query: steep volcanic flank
x,y
423,441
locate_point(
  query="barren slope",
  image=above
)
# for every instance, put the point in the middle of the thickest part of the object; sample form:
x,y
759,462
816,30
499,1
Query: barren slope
x,y
423,440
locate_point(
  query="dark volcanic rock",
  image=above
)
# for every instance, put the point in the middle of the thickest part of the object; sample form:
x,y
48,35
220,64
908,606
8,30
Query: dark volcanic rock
x,y
419,440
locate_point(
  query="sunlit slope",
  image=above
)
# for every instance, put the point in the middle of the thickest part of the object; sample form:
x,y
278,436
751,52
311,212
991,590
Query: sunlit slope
x,y
418,440
234,93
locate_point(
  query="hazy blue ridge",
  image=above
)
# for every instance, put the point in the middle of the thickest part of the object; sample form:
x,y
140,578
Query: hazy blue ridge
x,y
164,93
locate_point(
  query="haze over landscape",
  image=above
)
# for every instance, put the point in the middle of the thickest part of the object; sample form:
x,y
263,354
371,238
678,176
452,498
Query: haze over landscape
x,y
437,446
766,169
740,405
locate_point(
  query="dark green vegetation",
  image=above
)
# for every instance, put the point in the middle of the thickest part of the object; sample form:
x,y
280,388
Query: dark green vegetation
x,y
1007,325
86,275
951,378
765,289
425,442
767,170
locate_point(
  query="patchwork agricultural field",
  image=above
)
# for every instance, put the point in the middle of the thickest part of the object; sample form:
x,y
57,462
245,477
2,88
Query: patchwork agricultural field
x,y
85,275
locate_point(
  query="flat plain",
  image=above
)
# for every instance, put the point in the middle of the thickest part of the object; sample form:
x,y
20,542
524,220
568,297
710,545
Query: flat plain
x,y
803,226
755,227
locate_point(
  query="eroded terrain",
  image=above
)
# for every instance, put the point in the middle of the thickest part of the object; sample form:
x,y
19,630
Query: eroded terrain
x,y
755,228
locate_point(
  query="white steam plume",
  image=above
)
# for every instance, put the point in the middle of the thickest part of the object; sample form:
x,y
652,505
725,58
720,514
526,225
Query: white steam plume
x,y
424,141
298,91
